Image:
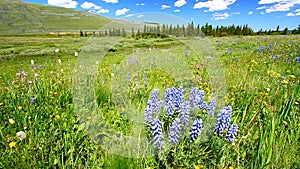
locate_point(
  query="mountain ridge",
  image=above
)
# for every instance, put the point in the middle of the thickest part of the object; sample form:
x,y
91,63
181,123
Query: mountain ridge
x,y
19,17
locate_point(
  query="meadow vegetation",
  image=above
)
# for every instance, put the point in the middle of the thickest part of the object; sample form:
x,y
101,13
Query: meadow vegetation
x,y
40,128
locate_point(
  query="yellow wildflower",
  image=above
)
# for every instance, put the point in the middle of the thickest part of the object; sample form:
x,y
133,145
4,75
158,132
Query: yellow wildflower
x,y
57,117
284,82
12,144
233,99
204,111
1,104
292,76
230,167
20,107
11,121
197,167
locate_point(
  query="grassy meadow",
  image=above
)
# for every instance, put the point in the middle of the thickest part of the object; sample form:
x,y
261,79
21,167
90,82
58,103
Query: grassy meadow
x,y
40,128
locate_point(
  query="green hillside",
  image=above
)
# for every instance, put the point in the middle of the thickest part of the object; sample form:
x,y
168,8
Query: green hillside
x,y
19,17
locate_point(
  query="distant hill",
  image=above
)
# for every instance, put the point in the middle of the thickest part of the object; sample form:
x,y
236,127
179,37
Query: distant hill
x,y
20,18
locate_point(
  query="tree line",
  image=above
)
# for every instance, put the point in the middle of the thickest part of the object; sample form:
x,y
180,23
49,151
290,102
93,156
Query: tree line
x,y
188,31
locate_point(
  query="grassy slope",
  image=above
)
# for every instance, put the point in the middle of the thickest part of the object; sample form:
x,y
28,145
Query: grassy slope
x,y
19,17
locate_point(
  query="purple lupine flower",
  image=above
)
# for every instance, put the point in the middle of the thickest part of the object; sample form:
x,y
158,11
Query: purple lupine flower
x,y
137,83
203,105
157,133
271,46
297,59
169,95
196,129
148,114
145,78
230,49
223,120
169,109
175,131
129,76
184,112
193,98
212,106
277,58
232,133
155,105
201,95
176,98
288,59
180,94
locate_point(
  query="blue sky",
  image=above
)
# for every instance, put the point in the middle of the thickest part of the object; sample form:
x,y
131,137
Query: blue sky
x,y
265,14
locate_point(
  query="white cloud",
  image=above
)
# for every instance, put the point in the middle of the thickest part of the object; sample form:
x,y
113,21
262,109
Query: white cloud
x,y
141,4
218,16
103,11
63,3
250,12
214,5
111,1
87,5
165,6
122,11
140,16
290,14
268,1
262,13
278,5
97,7
262,7
177,10
222,16
180,3
129,15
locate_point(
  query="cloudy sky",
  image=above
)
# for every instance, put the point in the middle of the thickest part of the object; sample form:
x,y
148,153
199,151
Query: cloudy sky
x,y
265,14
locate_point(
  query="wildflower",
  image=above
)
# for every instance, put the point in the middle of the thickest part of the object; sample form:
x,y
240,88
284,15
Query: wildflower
x,y
230,49
31,100
184,112
288,59
223,119
145,77
169,108
115,67
148,114
112,74
232,133
154,101
11,121
169,95
76,54
201,95
157,133
12,144
284,82
196,129
97,62
32,62
175,131
1,104
57,117
297,59
56,50
212,106
292,76
193,97
268,89
21,135
199,79
59,61
20,107
129,76
203,105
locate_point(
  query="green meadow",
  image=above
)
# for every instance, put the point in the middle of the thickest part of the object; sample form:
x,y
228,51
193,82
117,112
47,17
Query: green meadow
x,y
40,126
